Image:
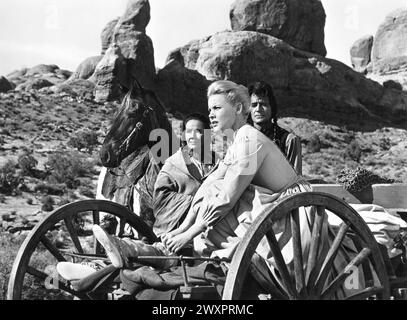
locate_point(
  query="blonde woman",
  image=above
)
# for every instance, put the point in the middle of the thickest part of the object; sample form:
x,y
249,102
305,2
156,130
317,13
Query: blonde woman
x,y
254,172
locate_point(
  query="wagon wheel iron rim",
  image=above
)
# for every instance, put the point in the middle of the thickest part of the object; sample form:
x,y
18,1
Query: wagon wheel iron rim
x,y
66,214
314,281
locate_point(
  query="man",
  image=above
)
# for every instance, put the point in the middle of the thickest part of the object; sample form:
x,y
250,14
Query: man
x,y
263,116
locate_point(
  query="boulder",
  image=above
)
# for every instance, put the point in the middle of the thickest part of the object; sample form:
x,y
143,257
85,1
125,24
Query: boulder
x,y
5,85
360,53
182,90
107,34
389,53
298,22
136,16
138,50
17,73
42,69
306,84
110,75
135,45
86,68
63,74
34,84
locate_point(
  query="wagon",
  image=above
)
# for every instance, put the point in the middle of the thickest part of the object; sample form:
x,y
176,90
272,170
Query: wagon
x,y
308,277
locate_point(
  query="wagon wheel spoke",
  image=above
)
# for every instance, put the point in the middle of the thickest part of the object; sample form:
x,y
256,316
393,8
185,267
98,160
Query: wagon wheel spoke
x,y
260,272
366,293
330,257
312,263
96,220
340,279
297,252
73,234
52,249
281,266
60,285
367,272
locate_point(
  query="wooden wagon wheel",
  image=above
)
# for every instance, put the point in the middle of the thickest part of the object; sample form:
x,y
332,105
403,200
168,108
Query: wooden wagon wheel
x,y
311,276
79,239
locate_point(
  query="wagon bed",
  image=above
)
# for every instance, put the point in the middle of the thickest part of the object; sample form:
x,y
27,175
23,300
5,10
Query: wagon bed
x,y
310,282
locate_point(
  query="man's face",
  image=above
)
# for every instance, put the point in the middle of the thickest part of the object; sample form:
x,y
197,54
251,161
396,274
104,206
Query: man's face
x,y
194,130
260,109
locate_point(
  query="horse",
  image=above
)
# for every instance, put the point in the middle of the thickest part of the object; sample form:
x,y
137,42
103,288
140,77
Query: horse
x,y
130,167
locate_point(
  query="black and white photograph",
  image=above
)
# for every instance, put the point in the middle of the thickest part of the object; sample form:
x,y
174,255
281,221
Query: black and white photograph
x,y
219,152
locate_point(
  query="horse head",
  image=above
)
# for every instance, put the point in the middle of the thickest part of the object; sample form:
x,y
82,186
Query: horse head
x,y
140,112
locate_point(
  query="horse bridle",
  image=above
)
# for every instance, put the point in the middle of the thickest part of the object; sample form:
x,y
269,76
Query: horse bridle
x,y
149,113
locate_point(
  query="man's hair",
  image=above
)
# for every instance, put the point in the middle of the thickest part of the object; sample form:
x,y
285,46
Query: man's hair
x,y
263,89
233,92
196,116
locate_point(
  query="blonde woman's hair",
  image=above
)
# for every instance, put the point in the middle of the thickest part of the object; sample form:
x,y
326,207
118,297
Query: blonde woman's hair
x,y
234,93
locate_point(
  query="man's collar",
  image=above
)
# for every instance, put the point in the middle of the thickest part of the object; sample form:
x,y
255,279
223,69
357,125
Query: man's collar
x,y
263,127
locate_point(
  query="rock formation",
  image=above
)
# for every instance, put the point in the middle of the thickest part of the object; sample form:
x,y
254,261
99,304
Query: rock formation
x,y
389,52
107,34
5,85
34,84
110,75
360,53
307,85
390,45
135,45
300,23
86,69
42,69
132,48
181,89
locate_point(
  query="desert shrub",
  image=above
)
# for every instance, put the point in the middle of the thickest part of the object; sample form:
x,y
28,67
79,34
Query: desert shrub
x,y
385,143
314,144
9,180
2,198
47,203
27,163
353,151
47,188
30,201
67,167
84,139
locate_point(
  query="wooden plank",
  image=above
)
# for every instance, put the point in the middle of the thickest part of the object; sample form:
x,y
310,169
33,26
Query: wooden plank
x,y
315,240
52,249
281,266
386,195
390,195
74,236
340,279
330,257
297,251
336,190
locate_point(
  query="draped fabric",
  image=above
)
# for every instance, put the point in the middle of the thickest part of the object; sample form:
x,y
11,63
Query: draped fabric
x,y
174,190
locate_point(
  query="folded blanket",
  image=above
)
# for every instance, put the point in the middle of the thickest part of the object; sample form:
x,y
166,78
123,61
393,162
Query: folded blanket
x,y
384,225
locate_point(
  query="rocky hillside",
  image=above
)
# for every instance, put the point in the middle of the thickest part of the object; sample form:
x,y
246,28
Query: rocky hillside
x,y
52,121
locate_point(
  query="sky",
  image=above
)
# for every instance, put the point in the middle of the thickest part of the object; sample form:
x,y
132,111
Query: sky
x,y
65,32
